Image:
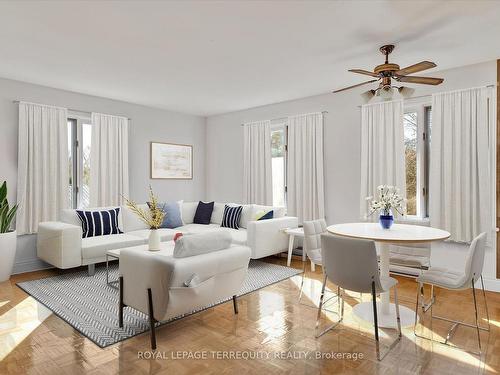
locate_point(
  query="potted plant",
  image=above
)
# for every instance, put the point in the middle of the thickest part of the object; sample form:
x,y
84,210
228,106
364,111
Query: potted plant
x,y
153,218
8,237
389,200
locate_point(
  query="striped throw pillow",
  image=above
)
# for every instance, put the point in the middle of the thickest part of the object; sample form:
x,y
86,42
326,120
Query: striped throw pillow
x,y
99,223
231,217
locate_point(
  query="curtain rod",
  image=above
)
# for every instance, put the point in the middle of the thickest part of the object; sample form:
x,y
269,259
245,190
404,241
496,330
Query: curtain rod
x,y
428,96
279,118
69,109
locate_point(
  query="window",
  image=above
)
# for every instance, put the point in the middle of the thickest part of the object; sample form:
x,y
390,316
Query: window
x,y
79,140
416,122
278,154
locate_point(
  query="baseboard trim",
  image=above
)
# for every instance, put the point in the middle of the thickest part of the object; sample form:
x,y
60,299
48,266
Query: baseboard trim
x,y
493,285
30,266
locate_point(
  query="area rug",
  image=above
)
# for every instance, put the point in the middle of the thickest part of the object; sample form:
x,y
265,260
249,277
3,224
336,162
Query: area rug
x,y
90,305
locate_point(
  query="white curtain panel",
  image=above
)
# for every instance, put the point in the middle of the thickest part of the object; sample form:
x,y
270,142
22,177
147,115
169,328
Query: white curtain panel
x,y
461,197
109,179
305,193
257,164
43,173
382,149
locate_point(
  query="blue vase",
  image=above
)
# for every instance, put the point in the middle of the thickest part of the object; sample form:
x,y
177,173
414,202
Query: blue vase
x,y
386,221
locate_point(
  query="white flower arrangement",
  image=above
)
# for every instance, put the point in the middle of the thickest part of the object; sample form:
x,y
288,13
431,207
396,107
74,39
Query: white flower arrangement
x,y
389,198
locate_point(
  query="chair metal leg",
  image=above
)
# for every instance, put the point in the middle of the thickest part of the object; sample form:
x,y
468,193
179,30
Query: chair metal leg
x,y
302,282
120,305
398,317
341,295
475,315
420,289
485,303
302,291
235,304
320,308
427,306
455,324
91,269
375,319
151,320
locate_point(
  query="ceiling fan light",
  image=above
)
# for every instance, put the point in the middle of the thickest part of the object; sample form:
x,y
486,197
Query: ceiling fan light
x,y
406,92
368,95
386,92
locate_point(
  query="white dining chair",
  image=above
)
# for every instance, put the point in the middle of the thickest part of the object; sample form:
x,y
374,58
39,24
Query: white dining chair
x,y
456,280
351,264
312,247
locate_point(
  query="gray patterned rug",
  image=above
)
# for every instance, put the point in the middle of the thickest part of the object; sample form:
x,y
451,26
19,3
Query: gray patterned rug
x,y
90,306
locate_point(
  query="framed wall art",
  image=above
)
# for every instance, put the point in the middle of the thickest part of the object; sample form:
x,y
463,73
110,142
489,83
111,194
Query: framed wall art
x,y
171,161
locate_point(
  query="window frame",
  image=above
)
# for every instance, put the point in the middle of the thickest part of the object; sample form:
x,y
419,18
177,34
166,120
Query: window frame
x,y
278,125
77,123
423,152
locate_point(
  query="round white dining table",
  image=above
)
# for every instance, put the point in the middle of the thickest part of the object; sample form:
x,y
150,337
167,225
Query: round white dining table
x,y
402,234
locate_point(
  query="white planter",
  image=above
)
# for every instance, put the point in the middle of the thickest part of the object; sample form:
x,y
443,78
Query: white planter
x,y
154,240
8,243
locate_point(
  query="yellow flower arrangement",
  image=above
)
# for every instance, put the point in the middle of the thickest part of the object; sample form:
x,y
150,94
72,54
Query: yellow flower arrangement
x,y
153,218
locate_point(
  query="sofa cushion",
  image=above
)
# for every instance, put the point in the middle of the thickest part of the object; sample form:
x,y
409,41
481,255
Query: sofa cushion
x,y
99,223
188,209
202,243
239,236
217,213
69,216
96,247
166,234
231,217
173,217
131,221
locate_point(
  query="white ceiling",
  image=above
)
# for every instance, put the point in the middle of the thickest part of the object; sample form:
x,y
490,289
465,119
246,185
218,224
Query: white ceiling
x,y
213,57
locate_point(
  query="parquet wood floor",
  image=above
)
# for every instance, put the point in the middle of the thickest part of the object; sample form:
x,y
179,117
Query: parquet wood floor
x,y
271,322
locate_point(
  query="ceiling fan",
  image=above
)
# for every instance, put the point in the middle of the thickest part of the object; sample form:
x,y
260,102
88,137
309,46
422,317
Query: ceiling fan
x,y
387,72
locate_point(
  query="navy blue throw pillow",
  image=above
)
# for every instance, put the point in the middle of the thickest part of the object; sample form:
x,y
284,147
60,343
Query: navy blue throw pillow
x,y
267,215
231,218
203,213
99,223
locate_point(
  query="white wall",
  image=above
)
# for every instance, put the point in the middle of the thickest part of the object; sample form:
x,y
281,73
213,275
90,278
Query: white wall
x,y
342,147
147,124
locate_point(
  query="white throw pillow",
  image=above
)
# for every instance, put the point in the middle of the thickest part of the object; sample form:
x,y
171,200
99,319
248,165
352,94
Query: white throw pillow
x,y
188,210
218,213
246,215
202,243
131,221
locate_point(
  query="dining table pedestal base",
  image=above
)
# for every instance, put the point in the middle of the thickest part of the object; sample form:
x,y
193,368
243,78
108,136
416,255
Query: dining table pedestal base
x,y
364,311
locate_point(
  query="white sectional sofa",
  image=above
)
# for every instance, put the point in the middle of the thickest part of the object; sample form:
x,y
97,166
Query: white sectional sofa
x,y
61,243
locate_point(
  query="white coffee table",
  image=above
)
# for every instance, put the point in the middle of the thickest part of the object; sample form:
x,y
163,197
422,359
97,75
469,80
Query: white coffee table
x,y
166,248
398,234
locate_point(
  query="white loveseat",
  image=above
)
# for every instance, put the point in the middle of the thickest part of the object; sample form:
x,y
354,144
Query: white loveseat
x,y
61,244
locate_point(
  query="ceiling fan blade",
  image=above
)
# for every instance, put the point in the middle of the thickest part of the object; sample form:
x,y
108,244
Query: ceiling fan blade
x,y
361,71
424,65
422,80
353,86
